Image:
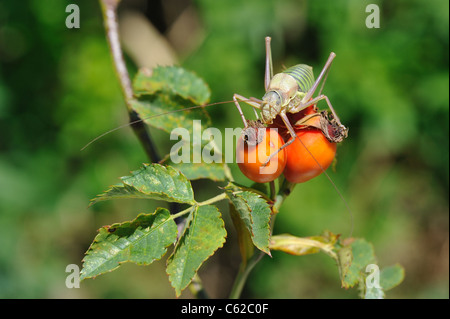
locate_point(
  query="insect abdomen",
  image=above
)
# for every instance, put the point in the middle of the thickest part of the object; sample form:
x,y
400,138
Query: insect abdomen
x,y
303,75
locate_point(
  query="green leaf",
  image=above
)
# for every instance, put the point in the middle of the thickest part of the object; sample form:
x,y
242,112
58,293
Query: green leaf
x,y
194,164
391,276
260,189
380,281
369,284
255,213
246,246
164,92
362,254
152,181
300,246
173,80
204,233
165,112
358,265
344,260
142,241
193,171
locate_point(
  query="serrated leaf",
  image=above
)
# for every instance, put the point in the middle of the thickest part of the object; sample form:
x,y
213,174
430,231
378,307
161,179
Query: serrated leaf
x,y
255,213
358,265
164,92
142,241
246,246
260,189
204,233
173,80
152,181
300,246
362,254
391,276
344,260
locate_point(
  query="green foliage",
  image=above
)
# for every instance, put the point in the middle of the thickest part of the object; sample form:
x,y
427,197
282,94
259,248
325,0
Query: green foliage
x,y
192,171
353,257
361,254
171,80
152,182
141,241
146,238
255,213
390,86
362,264
203,234
391,276
167,91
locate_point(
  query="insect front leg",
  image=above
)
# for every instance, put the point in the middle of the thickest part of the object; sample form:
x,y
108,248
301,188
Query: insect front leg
x,y
252,101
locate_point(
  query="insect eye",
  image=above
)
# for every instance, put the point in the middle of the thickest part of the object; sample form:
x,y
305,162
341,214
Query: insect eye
x,y
272,98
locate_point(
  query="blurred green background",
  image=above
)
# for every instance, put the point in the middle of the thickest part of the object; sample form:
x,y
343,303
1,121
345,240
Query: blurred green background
x,y
389,86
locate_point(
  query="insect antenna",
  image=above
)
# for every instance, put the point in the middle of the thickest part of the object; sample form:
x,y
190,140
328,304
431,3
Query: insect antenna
x,y
149,117
347,206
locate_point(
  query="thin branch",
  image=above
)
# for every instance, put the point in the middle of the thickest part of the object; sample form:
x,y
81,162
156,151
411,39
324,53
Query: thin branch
x,y
284,191
109,10
244,271
247,265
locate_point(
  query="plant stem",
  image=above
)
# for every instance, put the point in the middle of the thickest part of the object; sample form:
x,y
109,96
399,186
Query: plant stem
x,y
244,271
187,210
214,199
196,286
227,171
272,190
109,10
247,265
206,202
284,191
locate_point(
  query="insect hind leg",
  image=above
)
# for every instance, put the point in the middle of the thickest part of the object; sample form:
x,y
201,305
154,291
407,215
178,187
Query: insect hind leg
x,y
289,142
303,106
269,66
323,75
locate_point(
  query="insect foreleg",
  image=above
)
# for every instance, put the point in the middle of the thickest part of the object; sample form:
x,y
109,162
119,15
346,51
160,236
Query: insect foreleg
x,y
252,101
